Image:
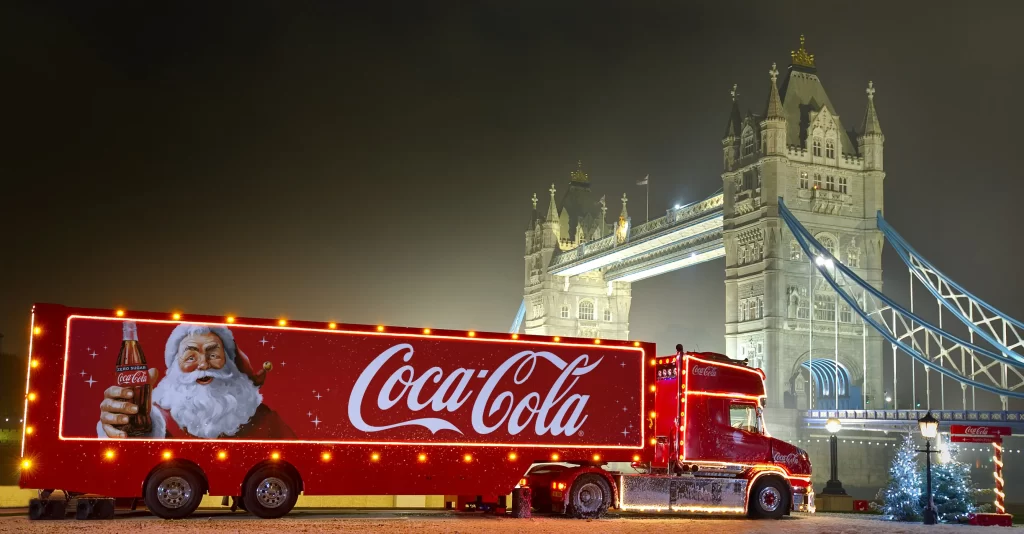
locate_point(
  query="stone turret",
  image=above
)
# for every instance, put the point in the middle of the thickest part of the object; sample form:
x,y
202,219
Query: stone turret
x,y
773,127
870,141
731,140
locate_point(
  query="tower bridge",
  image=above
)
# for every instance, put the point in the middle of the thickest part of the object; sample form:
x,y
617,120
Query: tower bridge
x,y
798,221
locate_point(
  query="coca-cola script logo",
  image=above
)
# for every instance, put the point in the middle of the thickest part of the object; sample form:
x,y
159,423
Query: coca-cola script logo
x,y
555,411
707,370
791,458
133,378
976,430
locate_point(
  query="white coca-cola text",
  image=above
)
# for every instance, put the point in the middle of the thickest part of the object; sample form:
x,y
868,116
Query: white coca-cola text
x,y
976,430
133,378
707,370
556,411
791,458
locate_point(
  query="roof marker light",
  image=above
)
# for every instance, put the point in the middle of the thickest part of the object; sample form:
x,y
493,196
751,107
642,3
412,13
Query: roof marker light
x,y
119,313
231,318
332,326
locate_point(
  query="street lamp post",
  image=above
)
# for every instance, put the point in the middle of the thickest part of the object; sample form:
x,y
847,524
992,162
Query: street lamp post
x,y
833,486
929,429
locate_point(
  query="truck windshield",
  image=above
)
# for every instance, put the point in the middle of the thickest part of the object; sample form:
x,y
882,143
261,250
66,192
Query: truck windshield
x,y
743,416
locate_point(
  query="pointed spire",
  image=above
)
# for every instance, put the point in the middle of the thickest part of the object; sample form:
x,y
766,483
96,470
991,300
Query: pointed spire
x,y
735,119
774,110
871,125
533,215
552,211
624,215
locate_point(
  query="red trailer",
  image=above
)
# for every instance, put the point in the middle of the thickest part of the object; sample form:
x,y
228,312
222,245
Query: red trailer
x,y
262,410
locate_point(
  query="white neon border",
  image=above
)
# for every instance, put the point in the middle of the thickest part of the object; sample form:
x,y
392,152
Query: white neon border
x,y
67,348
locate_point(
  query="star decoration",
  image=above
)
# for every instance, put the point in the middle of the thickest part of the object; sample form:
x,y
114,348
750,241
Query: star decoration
x,y
93,354
318,396
309,414
272,347
263,341
623,408
623,364
625,433
283,364
82,373
316,422
90,382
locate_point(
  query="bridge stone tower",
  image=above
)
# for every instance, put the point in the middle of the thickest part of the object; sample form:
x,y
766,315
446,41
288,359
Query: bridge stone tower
x,y
831,179
584,305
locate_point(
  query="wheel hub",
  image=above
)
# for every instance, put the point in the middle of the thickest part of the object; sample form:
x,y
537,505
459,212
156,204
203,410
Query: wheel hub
x,y
174,492
769,498
590,497
272,492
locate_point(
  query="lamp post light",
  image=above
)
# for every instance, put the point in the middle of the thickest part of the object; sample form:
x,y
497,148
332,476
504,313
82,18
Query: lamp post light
x,y
833,486
888,399
929,429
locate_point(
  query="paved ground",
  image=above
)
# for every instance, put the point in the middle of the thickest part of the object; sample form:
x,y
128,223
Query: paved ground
x,y
444,523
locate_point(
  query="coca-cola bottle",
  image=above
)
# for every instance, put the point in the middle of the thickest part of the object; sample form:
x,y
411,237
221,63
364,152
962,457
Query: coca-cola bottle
x,y
133,373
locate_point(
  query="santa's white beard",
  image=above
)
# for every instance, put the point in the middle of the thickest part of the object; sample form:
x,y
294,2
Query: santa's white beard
x,y
212,410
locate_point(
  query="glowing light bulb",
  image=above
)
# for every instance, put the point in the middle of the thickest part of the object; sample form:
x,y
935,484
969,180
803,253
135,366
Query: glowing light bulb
x,y
37,330
35,363
109,454
515,336
26,463
467,458
636,457
597,341
374,457
326,456
653,388
597,457
32,396
422,457
281,322
332,326
275,455
167,455
426,331
380,328
557,339
231,319
119,313
636,343
512,456
176,316
222,455
654,362
29,430
654,441
471,334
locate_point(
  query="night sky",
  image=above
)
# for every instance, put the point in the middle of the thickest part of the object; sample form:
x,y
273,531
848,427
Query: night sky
x,y
374,164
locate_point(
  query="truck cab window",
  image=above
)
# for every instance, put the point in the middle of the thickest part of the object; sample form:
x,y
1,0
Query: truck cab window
x,y
743,416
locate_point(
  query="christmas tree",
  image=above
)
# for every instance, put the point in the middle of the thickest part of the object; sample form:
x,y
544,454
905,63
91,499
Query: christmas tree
x,y
952,487
901,498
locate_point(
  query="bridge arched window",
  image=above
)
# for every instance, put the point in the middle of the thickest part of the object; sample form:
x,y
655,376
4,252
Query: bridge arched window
x,y
830,182
817,148
795,252
586,312
842,185
607,315
565,311
830,149
824,307
828,242
804,182
817,181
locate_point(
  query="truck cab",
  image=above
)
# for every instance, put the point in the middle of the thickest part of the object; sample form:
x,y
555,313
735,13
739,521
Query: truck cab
x,y
711,446
707,450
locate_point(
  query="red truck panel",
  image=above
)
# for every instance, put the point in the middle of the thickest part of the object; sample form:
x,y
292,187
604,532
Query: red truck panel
x,y
355,409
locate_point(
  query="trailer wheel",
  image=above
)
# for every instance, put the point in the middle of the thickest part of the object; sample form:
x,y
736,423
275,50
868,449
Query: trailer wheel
x,y
173,492
270,492
589,497
768,500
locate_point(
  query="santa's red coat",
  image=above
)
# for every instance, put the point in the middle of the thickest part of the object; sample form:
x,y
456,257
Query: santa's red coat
x,y
264,424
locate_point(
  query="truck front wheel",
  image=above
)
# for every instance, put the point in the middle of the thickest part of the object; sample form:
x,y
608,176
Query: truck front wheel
x,y
173,492
769,498
270,492
589,497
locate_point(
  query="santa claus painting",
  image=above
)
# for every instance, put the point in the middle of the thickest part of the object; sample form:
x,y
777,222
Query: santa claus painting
x,y
210,391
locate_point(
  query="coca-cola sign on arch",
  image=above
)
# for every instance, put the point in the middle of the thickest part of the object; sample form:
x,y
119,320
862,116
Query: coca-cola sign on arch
x,y
980,430
340,386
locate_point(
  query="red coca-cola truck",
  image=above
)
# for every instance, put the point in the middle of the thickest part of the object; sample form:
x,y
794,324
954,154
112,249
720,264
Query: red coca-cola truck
x,y
162,408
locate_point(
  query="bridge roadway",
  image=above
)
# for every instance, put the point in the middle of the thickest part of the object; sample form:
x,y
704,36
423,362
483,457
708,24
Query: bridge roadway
x,y
685,236
899,420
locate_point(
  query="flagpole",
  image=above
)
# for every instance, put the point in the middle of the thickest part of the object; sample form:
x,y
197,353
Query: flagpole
x,y
648,191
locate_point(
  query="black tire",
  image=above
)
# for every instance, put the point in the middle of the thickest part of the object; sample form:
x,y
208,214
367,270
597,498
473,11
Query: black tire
x,y
270,492
769,499
589,497
173,492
